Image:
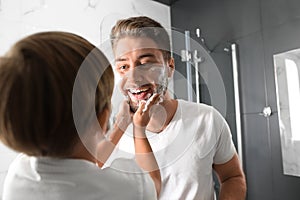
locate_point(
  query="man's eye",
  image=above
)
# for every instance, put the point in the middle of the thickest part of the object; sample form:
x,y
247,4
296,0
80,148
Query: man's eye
x,y
123,67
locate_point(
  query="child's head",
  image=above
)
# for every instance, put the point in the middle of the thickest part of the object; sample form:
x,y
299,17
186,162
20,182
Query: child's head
x,y
36,83
142,27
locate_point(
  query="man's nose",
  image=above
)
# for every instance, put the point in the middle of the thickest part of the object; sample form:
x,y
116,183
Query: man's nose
x,y
136,75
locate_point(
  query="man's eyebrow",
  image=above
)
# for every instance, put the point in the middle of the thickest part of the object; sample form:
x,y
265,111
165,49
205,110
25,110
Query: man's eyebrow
x,y
146,55
120,59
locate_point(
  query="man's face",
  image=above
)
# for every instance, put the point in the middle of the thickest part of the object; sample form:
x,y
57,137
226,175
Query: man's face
x,y
142,69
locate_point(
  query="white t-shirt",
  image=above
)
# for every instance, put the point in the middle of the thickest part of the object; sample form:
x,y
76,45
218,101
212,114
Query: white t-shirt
x,y
196,137
71,179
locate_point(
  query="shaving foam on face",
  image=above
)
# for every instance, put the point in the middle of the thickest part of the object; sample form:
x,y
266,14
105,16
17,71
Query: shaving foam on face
x,y
151,99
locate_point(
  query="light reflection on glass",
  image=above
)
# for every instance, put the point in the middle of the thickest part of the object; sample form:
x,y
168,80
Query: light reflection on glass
x,y
294,96
288,97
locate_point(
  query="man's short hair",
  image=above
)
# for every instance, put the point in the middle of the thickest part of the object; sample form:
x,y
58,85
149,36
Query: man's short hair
x,y
142,26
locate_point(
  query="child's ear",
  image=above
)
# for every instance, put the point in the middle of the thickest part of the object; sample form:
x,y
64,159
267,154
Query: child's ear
x,y
171,65
103,119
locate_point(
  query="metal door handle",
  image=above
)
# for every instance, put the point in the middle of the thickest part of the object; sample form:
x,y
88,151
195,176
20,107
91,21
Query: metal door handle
x,y
266,112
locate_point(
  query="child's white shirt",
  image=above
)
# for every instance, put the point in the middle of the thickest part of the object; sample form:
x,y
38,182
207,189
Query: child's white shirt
x,y
42,178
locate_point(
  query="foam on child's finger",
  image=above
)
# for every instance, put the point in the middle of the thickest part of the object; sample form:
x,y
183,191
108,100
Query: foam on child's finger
x,y
149,101
145,106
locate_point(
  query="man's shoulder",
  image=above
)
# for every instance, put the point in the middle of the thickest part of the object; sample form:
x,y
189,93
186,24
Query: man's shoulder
x,y
195,107
190,110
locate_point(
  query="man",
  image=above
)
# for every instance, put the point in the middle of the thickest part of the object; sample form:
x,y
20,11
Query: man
x,y
189,140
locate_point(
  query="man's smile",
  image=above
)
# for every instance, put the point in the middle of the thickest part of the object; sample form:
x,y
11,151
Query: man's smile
x,y
141,93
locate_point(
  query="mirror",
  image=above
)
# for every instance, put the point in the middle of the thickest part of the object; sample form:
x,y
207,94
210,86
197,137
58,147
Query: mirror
x,y
287,75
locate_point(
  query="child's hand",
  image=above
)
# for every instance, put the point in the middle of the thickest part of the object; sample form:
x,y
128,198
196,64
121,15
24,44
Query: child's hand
x,y
124,116
142,116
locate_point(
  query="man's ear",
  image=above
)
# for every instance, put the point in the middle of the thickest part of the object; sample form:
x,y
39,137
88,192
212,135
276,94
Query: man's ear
x,y
171,65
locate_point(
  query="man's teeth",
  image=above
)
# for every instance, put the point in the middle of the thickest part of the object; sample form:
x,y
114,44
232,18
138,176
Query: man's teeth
x,y
137,90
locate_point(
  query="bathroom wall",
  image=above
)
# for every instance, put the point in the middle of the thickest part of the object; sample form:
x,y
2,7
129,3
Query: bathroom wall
x,y
261,28
91,19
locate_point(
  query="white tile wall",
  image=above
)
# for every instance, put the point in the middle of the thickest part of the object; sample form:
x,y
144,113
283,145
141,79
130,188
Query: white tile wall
x,y
92,21
6,157
22,17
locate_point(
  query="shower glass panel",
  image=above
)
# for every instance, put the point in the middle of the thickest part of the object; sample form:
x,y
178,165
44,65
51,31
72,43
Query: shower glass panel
x,y
205,75
287,75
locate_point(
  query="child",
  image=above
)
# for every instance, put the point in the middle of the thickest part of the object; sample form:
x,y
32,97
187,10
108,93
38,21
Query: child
x,y
37,78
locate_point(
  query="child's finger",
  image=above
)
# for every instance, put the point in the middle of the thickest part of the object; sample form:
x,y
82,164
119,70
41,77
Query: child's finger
x,y
142,105
150,102
156,99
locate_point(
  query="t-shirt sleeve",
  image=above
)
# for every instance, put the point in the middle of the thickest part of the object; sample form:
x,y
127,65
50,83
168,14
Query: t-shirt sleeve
x,y
225,149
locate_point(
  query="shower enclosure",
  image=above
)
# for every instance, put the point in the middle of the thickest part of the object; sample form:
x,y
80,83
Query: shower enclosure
x,y
209,76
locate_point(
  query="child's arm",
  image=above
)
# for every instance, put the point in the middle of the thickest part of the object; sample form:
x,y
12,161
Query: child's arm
x,y
107,145
144,154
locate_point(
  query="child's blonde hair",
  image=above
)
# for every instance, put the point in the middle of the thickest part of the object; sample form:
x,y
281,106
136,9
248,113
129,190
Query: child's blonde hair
x,y
36,84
